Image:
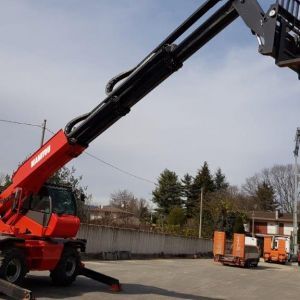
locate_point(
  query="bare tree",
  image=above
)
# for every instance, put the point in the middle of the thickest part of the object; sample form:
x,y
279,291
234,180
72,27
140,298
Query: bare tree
x,y
126,200
251,185
123,199
5,181
281,178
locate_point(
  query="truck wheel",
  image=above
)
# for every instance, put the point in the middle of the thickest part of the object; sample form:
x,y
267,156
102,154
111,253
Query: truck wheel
x,y
67,268
255,264
13,266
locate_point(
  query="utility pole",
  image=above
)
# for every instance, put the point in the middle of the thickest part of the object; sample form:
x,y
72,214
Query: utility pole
x,y
295,210
200,215
43,132
253,235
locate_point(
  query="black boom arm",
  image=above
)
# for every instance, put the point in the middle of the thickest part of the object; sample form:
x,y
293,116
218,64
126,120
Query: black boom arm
x,y
277,31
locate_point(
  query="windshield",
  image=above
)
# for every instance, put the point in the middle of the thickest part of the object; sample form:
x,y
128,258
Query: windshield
x,y
55,199
63,201
40,202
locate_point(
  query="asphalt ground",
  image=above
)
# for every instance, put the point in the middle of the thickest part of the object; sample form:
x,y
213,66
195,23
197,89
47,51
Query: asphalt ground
x,y
165,279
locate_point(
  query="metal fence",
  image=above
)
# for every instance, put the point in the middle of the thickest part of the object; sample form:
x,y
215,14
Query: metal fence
x,y
108,239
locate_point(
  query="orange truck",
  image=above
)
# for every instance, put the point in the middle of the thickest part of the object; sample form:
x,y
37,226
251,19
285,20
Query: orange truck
x,y
275,250
243,252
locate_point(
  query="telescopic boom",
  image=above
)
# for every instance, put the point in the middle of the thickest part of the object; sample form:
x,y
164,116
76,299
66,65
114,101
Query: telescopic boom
x,y
278,35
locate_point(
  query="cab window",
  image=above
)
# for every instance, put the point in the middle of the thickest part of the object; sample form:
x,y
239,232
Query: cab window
x,y
40,203
63,201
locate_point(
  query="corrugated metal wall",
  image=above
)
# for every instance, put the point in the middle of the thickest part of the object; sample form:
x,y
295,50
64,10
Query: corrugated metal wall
x,y
108,239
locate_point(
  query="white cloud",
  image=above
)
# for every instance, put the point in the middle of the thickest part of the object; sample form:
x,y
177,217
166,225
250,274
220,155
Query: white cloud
x,y
238,113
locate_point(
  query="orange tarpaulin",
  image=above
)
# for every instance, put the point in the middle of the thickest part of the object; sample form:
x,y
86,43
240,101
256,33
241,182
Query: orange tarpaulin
x,y
267,244
238,245
219,243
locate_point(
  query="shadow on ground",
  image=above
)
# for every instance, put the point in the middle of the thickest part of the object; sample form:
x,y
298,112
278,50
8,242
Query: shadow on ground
x,y
265,268
41,287
258,268
140,289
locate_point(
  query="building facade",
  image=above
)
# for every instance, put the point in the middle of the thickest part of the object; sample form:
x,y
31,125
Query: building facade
x,y
261,223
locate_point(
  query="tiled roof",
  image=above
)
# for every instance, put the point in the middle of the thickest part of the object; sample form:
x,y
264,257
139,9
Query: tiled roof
x,y
111,209
271,216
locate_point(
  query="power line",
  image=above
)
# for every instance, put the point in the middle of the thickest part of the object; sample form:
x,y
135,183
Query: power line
x,y
27,124
20,123
119,169
47,129
87,153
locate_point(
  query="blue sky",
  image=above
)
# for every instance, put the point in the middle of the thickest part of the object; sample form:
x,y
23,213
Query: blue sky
x,y
227,105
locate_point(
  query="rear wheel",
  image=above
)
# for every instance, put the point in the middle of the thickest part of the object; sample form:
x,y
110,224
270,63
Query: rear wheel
x,y
255,264
13,266
67,268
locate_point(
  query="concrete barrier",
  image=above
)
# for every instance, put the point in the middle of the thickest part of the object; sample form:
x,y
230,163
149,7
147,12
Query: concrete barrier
x,y
103,239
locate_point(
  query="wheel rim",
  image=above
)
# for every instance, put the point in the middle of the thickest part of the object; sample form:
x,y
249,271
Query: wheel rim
x,y
70,266
13,270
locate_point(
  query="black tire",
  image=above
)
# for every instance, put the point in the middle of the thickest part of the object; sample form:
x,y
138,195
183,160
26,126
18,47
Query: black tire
x,y
255,264
13,267
67,268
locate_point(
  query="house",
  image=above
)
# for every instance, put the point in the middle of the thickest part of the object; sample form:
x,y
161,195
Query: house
x,y
112,215
263,223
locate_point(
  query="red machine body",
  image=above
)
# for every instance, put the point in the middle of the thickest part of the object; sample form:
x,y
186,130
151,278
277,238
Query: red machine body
x,y
37,169
28,180
38,222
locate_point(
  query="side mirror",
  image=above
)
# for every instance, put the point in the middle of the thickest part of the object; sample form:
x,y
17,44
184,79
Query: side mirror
x,y
82,197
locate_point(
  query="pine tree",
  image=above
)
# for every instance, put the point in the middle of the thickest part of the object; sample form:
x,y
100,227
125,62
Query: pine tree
x,y
203,179
168,192
189,204
265,197
220,181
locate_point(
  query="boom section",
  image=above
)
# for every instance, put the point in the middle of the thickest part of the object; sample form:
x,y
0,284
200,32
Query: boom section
x,y
38,168
277,32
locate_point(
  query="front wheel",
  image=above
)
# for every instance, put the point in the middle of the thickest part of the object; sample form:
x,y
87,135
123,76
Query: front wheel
x,y
67,268
13,266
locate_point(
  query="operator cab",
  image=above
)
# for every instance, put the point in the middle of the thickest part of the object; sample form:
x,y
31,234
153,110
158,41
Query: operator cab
x,y
54,199
53,212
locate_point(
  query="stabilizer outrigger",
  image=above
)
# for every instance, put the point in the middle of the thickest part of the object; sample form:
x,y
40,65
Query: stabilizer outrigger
x,y
19,293
14,291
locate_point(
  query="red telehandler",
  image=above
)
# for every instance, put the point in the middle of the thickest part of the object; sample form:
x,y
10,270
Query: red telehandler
x,y
38,223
